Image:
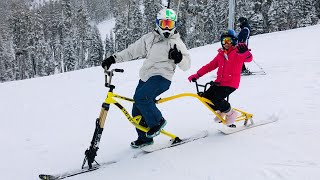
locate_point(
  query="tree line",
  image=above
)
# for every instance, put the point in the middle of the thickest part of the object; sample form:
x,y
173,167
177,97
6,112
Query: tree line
x,y
47,38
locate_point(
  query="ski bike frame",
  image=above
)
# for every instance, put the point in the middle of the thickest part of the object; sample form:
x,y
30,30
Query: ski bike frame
x,y
110,99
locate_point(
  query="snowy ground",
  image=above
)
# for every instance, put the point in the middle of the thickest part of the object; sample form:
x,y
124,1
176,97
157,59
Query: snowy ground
x,y
47,123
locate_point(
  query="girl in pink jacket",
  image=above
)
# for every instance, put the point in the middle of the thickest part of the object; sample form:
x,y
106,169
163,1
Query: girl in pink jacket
x,y
229,62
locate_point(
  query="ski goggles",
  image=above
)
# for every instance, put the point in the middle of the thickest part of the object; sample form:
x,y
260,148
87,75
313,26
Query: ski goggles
x,y
166,23
226,40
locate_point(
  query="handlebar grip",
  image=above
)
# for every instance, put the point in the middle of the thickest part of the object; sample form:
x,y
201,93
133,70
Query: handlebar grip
x,y
119,70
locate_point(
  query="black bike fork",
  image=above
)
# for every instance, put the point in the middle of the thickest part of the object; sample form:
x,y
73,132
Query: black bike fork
x,y
94,146
91,152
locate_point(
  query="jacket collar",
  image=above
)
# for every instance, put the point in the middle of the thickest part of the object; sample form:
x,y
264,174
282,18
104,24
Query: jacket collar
x,y
176,35
221,50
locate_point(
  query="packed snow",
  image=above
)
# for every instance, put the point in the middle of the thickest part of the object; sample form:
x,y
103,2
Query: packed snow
x,y
47,123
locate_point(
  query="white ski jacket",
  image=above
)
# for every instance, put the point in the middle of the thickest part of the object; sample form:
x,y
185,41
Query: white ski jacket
x,y
155,50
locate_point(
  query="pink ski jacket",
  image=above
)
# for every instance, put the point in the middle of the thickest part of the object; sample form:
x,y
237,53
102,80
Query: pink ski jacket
x,y
229,66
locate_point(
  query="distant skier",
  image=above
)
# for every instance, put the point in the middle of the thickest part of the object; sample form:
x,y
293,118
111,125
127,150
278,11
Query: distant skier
x,y
243,37
163,50
229,62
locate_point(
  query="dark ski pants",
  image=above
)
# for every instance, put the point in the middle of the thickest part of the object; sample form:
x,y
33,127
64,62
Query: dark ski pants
x,y
144,102
217,94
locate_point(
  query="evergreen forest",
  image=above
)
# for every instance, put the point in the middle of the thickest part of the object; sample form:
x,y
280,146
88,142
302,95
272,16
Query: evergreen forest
x,y
45,37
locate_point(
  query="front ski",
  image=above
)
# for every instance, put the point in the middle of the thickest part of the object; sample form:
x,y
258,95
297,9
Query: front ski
x,y
229,130
74,172
171,143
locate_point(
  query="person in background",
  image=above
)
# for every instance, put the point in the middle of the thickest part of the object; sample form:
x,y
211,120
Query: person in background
x,y
229,61
163,51
243,37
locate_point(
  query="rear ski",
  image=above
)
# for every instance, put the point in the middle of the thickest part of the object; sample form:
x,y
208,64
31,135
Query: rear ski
x,y
240,127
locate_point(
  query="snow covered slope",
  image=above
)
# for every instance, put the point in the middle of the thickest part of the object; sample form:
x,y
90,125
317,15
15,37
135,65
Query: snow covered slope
x,y
47,123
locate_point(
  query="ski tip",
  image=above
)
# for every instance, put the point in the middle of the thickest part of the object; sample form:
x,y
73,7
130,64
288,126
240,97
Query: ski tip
x,y
45,177
274,117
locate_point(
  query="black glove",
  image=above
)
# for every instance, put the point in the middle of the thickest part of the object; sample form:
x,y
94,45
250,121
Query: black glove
x,y
107,62
175,54
242,47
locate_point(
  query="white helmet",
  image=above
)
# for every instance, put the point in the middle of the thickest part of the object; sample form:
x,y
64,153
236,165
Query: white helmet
x,y
166,22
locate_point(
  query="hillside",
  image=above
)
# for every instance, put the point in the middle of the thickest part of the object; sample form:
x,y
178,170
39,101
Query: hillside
x,y
47,123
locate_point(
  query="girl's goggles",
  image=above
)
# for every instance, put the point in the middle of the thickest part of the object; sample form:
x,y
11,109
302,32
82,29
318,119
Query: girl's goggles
x,y
226,40
166,23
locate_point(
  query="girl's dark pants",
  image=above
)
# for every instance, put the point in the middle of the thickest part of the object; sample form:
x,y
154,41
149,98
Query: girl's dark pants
x,y
217,94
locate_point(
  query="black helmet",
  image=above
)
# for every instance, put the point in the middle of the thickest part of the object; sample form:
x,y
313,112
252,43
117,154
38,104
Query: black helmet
x,y
229,33
243,22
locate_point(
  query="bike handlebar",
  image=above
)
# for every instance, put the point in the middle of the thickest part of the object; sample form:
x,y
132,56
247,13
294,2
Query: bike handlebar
x,y
211,83
119,70
110,74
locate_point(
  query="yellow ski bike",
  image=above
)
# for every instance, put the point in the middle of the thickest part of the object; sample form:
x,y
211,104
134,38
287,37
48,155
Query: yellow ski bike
x,y
91,152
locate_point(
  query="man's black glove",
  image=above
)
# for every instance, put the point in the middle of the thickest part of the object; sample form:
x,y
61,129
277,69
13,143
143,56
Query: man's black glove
x,y
175,54
107,62
242,47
